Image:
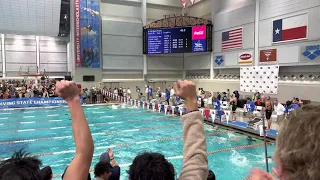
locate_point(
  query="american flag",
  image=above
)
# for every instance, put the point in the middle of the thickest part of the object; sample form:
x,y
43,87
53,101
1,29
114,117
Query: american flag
x,y
232,39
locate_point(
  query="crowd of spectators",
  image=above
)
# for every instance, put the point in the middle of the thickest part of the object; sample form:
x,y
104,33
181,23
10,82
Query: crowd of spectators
x,y
296,156
27,89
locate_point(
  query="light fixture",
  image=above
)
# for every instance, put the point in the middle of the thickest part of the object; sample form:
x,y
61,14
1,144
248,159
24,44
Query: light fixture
x,y
285,77
302,77
311,77
293,77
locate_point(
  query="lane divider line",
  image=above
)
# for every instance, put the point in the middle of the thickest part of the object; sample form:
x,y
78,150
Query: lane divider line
x,y
96,124
181,156
93,134
122,145
94,116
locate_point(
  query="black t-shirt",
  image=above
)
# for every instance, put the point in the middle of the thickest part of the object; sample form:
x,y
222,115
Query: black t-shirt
x,y
115,173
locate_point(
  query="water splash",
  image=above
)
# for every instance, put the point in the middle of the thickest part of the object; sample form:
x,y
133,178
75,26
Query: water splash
x,y
237,159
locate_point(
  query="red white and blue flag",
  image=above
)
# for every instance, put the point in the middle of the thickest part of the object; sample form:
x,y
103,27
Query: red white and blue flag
x,y
232,39
289,29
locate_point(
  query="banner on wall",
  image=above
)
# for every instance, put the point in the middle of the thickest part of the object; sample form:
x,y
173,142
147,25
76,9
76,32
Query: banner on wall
x,y
268,56
245,58
219,60
32,102
263,79
87,33
290,28
310,53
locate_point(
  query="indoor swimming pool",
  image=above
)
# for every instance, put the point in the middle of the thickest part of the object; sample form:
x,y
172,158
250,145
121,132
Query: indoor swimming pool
x,y
47,132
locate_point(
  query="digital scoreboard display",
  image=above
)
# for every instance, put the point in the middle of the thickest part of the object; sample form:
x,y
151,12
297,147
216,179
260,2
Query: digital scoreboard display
x,y
178,40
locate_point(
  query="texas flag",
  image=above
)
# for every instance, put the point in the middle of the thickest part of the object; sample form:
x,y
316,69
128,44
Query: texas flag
x,y
292,28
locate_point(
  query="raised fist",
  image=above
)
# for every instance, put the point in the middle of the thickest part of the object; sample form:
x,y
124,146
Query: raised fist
x,y
185,90
67,90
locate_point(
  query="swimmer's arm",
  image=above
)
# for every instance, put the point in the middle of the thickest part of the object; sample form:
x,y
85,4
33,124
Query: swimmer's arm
x,y
195,161
79,167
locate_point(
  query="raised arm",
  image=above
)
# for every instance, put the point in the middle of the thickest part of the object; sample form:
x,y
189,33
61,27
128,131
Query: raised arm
x,y
79,167
195,161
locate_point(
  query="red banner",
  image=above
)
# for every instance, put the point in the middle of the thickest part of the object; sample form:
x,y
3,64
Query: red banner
x,y
77,33
268,56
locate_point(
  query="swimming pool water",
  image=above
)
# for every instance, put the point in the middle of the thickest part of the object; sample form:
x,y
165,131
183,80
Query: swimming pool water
x,y
128,131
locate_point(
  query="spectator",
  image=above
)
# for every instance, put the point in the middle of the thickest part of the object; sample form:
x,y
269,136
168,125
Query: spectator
x,y
195,163
236,93
280,109
167,96
290,107
102,171
211,176
129,93
250,107
219,96
209,101
108,157
20,166
79,167
137,89
297,151
228,94
150,91
46,173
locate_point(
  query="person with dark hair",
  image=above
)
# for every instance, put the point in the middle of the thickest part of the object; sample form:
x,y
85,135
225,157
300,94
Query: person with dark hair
x,y
154,166
21,166
269,110
167,96
290,107
46,173
250,106
108,157
151,166
211,175
102,170
79,166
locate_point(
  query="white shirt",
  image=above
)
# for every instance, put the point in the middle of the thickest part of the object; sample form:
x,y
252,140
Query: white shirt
x,y
171,92
209,100
279,109
115,91
129,91
147,90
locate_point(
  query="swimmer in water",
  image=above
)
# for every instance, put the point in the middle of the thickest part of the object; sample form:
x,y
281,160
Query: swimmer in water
x,y
86,29
92,12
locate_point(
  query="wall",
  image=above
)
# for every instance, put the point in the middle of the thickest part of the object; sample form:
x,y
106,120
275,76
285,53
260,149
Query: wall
x,y
121,40
20,52
53,55
289,53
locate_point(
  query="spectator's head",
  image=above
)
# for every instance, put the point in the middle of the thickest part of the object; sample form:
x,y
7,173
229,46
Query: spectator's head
x,y
276,102
268,98
288,103
297,154
20,166
248,99
211,176
46,173
102,170
153,166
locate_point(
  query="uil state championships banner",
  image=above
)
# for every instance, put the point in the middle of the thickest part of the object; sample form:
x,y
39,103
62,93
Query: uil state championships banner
x,y
87,33
32,102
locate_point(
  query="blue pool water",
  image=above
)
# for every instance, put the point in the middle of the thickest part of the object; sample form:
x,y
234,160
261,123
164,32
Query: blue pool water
x,y
128,131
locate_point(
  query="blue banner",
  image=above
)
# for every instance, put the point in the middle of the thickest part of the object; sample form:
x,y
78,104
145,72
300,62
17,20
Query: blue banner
x,y
32,102
87,17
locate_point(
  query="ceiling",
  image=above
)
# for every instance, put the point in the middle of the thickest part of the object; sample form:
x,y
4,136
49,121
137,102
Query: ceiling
x,y
30,17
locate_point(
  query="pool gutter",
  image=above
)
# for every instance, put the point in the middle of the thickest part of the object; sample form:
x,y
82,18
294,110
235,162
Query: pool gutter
x,y
245,131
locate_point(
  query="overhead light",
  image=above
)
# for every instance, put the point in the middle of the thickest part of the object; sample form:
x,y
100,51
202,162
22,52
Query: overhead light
x,y
302,77
285,77
311,77
293,77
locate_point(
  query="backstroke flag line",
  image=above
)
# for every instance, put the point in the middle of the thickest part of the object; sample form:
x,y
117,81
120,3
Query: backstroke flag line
x,y
291,28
